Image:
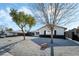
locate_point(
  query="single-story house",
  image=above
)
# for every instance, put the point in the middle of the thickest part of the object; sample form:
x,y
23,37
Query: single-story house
x,y
58,30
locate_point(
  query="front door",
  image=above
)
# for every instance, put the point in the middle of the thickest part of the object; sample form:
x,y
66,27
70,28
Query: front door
x,y
55,32
44,32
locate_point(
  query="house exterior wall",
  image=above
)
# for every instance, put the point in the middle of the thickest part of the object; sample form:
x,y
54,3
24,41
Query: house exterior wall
x,y
41,31
59,31
72,34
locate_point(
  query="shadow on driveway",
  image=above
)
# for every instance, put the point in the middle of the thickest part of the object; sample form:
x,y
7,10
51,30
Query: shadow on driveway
x,y
8,47
57,42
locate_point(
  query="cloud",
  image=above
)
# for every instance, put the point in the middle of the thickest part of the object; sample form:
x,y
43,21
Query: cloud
x,y
6,19
26,10
4,14
8,9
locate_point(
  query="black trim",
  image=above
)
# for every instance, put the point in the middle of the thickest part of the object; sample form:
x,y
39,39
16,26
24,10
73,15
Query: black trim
x,y
55,36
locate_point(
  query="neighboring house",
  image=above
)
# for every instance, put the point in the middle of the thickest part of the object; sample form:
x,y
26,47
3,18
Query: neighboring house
x,y
69,33
58,30
77,31
13,33
20,33
73,33
5,33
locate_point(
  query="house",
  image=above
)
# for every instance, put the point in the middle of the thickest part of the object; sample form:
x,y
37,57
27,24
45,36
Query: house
x,y
73,33
5,33
69,33
20,33
77,31
58,31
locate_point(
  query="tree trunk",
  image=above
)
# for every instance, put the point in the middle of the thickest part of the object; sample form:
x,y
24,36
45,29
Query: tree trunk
x,y
52,49
23,34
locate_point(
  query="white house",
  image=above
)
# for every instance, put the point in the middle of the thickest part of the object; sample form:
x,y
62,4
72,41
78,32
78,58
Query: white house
x,y
58,30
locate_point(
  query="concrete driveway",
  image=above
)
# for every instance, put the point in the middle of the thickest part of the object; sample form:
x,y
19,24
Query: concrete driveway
x,y
62,47
57,42
31,47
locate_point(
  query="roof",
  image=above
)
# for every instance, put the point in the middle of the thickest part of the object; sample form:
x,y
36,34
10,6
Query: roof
x,y
56,26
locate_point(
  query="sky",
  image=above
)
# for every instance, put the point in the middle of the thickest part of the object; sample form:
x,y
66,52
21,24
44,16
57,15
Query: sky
x,y
6,20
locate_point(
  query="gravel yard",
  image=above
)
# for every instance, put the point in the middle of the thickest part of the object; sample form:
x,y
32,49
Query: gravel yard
x,y
16,46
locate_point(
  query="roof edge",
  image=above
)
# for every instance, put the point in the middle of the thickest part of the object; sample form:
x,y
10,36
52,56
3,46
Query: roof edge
x,y
46,25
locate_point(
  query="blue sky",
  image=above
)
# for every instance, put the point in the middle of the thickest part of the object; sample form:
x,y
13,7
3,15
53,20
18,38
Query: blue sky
x,y
6,20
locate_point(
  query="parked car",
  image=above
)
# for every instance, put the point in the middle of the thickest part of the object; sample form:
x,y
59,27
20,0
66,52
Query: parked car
x,y
2,34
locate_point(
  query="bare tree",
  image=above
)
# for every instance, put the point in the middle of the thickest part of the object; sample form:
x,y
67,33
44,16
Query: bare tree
x,y
53,14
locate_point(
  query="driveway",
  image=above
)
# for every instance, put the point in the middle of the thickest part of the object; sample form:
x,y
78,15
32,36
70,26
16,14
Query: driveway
x,y
62,47
57,42
16,46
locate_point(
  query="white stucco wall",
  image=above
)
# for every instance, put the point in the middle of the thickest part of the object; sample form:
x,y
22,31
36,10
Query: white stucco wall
x,y
41,31
59,31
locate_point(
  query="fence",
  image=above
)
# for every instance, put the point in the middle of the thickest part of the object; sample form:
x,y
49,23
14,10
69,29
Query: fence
x,y
75,37
72,35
